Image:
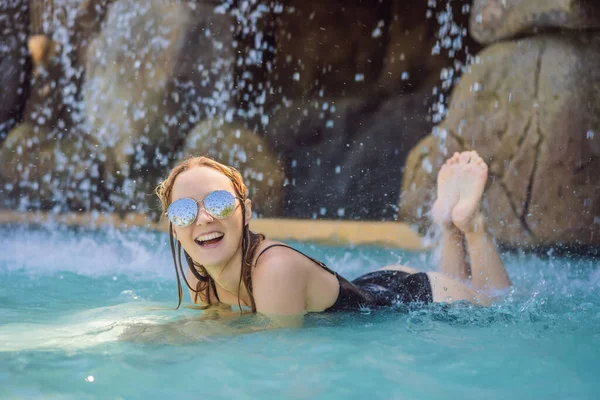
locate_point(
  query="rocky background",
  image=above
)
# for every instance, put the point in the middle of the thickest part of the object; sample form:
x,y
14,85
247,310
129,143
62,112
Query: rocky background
x,y
529,105
330,109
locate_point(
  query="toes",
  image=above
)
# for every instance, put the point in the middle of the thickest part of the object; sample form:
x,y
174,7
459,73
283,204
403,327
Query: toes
x,y
467,157
464,157
478,161
453,159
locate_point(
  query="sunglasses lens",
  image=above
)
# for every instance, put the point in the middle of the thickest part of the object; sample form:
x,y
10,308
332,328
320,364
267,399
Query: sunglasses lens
x,y
220,204
183,212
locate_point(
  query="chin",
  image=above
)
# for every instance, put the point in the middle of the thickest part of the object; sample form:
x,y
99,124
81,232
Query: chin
x,y
214,255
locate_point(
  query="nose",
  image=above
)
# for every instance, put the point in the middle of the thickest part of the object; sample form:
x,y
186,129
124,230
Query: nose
x,y
203,217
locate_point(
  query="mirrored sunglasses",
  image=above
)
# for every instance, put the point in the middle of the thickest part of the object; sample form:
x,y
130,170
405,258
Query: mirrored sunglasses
x,y
220,204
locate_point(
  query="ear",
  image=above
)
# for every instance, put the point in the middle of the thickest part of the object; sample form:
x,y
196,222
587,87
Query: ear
x,y
248,206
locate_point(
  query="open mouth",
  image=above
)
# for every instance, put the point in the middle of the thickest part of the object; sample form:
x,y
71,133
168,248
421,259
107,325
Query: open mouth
x,y
210,240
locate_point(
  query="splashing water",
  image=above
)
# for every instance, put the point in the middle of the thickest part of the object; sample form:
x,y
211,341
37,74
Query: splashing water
x,y
134,80
451,38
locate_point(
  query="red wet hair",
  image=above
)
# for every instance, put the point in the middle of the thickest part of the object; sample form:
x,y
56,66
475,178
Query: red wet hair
x,y
250,240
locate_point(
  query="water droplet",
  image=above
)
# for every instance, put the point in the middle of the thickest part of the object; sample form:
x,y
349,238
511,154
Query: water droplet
x,y
426,165
589,134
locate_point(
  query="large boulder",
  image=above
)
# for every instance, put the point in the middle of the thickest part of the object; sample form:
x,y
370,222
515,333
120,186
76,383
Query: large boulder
x,y
250,154
530,109
43,169
494,20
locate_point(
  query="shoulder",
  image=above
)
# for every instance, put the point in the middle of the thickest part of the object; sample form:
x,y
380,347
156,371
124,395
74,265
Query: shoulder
x,y
279,281
275,260
269,250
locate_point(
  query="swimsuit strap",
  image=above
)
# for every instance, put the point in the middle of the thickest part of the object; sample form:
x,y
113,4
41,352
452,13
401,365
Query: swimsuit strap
x,y
320,263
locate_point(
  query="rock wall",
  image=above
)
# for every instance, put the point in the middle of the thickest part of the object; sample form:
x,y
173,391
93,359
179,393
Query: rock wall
x,y
333,93
494,20
356,82
15,63
530,107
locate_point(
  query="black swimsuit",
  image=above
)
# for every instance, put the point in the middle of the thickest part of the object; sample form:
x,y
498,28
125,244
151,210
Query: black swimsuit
x,y
381,288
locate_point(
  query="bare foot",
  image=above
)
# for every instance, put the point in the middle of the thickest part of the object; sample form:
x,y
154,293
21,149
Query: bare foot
x,y
472,174
447,192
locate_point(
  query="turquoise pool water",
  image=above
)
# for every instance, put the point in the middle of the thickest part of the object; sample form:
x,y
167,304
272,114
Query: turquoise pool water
x,y
83,314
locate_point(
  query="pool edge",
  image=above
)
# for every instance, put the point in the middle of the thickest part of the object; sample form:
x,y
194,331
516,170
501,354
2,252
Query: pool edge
x,y
338,232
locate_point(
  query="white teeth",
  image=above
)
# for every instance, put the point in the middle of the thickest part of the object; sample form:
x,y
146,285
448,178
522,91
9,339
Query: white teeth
x,y
209,236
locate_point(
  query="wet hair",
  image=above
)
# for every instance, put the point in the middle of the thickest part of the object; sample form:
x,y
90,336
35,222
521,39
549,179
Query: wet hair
x,y
250,240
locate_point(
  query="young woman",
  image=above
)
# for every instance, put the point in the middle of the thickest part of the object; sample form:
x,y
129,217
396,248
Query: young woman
x,y
227,264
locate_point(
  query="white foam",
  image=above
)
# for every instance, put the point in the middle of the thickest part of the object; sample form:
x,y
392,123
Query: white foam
x,y
144,254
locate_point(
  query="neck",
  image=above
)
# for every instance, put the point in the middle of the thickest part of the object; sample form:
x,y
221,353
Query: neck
x,y
227,276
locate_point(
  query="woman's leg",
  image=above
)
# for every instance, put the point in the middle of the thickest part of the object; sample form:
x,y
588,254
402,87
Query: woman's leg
x,y
448,290
461,182
487,269
453,257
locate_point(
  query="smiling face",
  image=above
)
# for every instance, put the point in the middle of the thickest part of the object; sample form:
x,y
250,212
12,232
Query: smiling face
x,y
209,241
